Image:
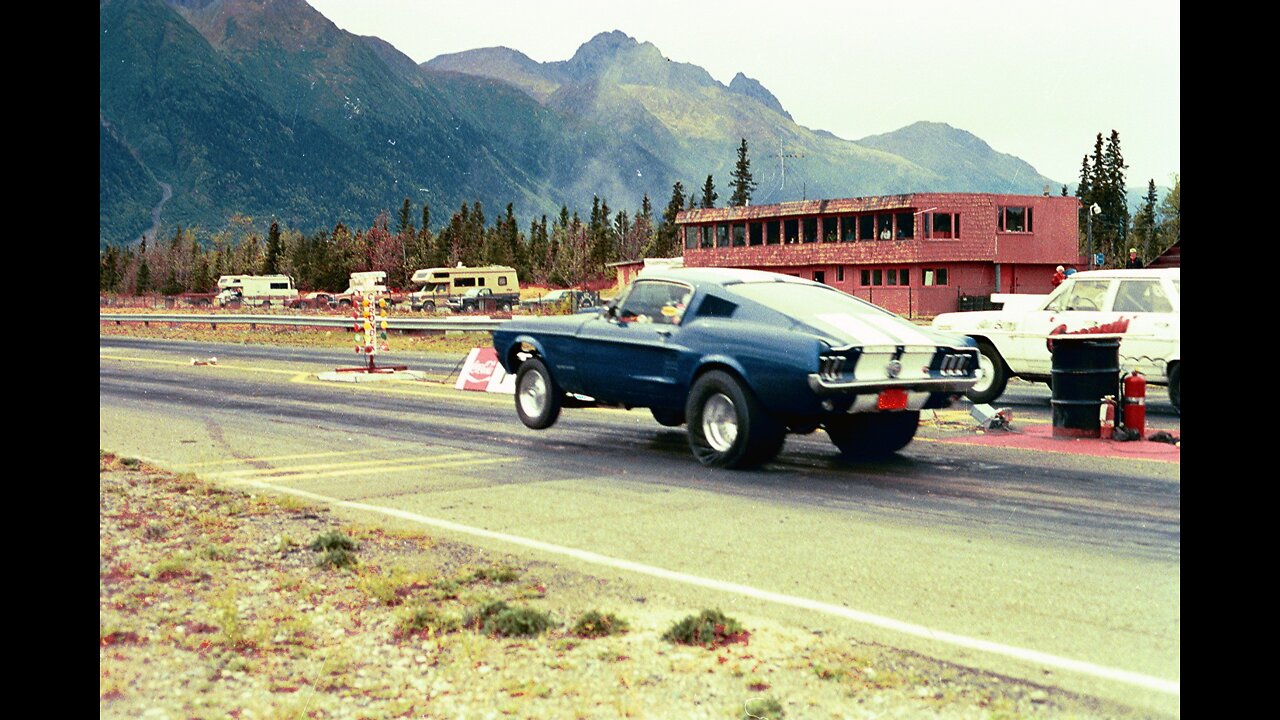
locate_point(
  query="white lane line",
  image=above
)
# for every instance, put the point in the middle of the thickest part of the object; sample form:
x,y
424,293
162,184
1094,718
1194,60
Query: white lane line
x,y
1171,687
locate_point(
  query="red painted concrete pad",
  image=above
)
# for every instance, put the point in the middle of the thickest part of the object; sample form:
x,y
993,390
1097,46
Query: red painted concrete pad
x,y
1040,437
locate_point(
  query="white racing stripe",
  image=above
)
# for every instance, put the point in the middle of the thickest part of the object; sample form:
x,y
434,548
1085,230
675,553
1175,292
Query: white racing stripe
x,y
1170,687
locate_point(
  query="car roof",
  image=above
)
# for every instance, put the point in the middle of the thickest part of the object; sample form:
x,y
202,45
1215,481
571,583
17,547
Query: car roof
x,y
1173,273
718,275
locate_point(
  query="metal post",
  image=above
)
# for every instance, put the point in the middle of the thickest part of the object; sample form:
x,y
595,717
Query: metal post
x,y
1088,213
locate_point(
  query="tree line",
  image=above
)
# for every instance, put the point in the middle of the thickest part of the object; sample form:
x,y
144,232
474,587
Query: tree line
x,y
1155,226
567,252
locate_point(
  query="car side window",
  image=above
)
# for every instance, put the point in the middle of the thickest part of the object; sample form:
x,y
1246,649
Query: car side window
x,y
1142,296
655,302
1083,295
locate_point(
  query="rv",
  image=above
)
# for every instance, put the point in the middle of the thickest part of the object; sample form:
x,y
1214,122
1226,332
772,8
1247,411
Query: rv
x,y
255,290
371,284
438,285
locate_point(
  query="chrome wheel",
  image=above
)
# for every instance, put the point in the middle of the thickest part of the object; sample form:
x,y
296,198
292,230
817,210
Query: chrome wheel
x,y
719,422
986,372
533,394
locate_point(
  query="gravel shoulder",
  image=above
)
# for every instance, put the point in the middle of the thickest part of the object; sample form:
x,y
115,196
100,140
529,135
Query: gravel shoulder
x,y
213,604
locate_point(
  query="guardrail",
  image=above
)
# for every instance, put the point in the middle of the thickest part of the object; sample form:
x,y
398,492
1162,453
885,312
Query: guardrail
x,y
464,324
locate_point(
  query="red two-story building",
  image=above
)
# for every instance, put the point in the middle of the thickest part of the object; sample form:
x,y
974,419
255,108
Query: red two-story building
x,y
918,254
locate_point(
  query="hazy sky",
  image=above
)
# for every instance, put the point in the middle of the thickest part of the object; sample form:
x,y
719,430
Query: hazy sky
x,y
1034,79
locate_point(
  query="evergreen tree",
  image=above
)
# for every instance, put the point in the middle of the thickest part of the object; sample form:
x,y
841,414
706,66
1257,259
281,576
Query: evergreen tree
x,y
404,226
665,242
539,252
1171,215
709,194
271,262
742,183
1116,209
142,283
109,270
1145,223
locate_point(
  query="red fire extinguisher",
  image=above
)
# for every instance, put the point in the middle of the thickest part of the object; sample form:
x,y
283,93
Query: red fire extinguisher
x,y
1135,403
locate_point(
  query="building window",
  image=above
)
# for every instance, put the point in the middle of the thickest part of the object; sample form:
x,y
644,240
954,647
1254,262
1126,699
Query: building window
x,y
690,237
941,226
904,277
1014,219
866,227
866,277
756,234
810,230
890,277
791,230
820,277
739,235
830,229
935,277
722,236
884,227
848,228
839,273
906,226
706,236
771,232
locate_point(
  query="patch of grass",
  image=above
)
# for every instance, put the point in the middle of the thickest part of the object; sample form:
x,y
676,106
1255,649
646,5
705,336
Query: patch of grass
x,y
709,628
169,568
497,574
767,708
426,619
498,619
593,624
392,587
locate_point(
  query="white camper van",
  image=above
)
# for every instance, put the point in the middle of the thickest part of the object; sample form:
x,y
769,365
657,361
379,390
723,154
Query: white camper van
x,y
255,290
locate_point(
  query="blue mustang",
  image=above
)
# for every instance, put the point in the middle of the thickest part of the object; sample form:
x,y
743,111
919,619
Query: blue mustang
x,y
744,357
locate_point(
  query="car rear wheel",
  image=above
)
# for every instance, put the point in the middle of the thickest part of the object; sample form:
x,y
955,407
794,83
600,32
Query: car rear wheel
x,y
871,435
537,396
995,376
428,306
727,426
668,417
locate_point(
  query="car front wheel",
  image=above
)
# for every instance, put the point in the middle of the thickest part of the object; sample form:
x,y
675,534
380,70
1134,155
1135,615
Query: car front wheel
x,y
994,375
537,396
871,435
727,426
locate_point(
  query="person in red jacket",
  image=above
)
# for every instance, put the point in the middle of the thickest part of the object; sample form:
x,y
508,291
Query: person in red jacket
x,y
1058,276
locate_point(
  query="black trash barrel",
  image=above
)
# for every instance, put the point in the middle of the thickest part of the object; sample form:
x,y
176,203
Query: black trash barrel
x,y
1085,369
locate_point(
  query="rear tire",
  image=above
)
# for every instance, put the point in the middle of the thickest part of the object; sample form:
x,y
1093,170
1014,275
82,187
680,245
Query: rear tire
x,y
538,398
873,435
728,428
995,375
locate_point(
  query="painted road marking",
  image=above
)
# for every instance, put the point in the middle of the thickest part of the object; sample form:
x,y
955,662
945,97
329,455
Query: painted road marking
x,y
273,458
301,469
292,475
1128,677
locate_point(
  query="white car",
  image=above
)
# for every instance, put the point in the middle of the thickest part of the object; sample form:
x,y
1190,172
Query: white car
x,y
1013,341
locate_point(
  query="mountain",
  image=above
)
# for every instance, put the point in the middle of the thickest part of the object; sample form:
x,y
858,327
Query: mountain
x,y
266,109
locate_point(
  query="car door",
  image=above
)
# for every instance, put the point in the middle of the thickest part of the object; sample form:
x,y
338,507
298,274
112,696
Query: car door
x,y
632,350
1153,334
1084,303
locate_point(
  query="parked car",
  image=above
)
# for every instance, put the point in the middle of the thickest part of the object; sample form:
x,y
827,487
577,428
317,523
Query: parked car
x,y
483,299
745,357
1013,341
312,301
574,299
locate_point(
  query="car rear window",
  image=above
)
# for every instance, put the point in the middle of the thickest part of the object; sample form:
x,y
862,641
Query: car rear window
x,y
808,303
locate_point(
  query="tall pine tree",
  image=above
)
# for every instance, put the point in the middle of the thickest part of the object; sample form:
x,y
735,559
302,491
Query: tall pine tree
x,y
709,193
742,183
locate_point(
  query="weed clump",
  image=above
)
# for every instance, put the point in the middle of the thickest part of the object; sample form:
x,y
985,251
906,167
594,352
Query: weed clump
x,y
426,619
709,628
762,709
592,624
499,619
338,550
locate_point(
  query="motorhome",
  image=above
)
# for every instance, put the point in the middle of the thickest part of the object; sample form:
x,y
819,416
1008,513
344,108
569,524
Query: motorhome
x,y
441,283
255,290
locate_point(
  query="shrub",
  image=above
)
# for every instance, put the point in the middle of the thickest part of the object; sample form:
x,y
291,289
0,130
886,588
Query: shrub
x,y
593,625
501,620
710,628
762,709
426,619
337,549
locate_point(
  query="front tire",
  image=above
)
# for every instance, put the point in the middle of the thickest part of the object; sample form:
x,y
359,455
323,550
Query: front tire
x,y
873,435
728,428
538,398
995,375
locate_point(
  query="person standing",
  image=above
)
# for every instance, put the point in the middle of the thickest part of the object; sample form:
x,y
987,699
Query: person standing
x,y
1058,276
1134,261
